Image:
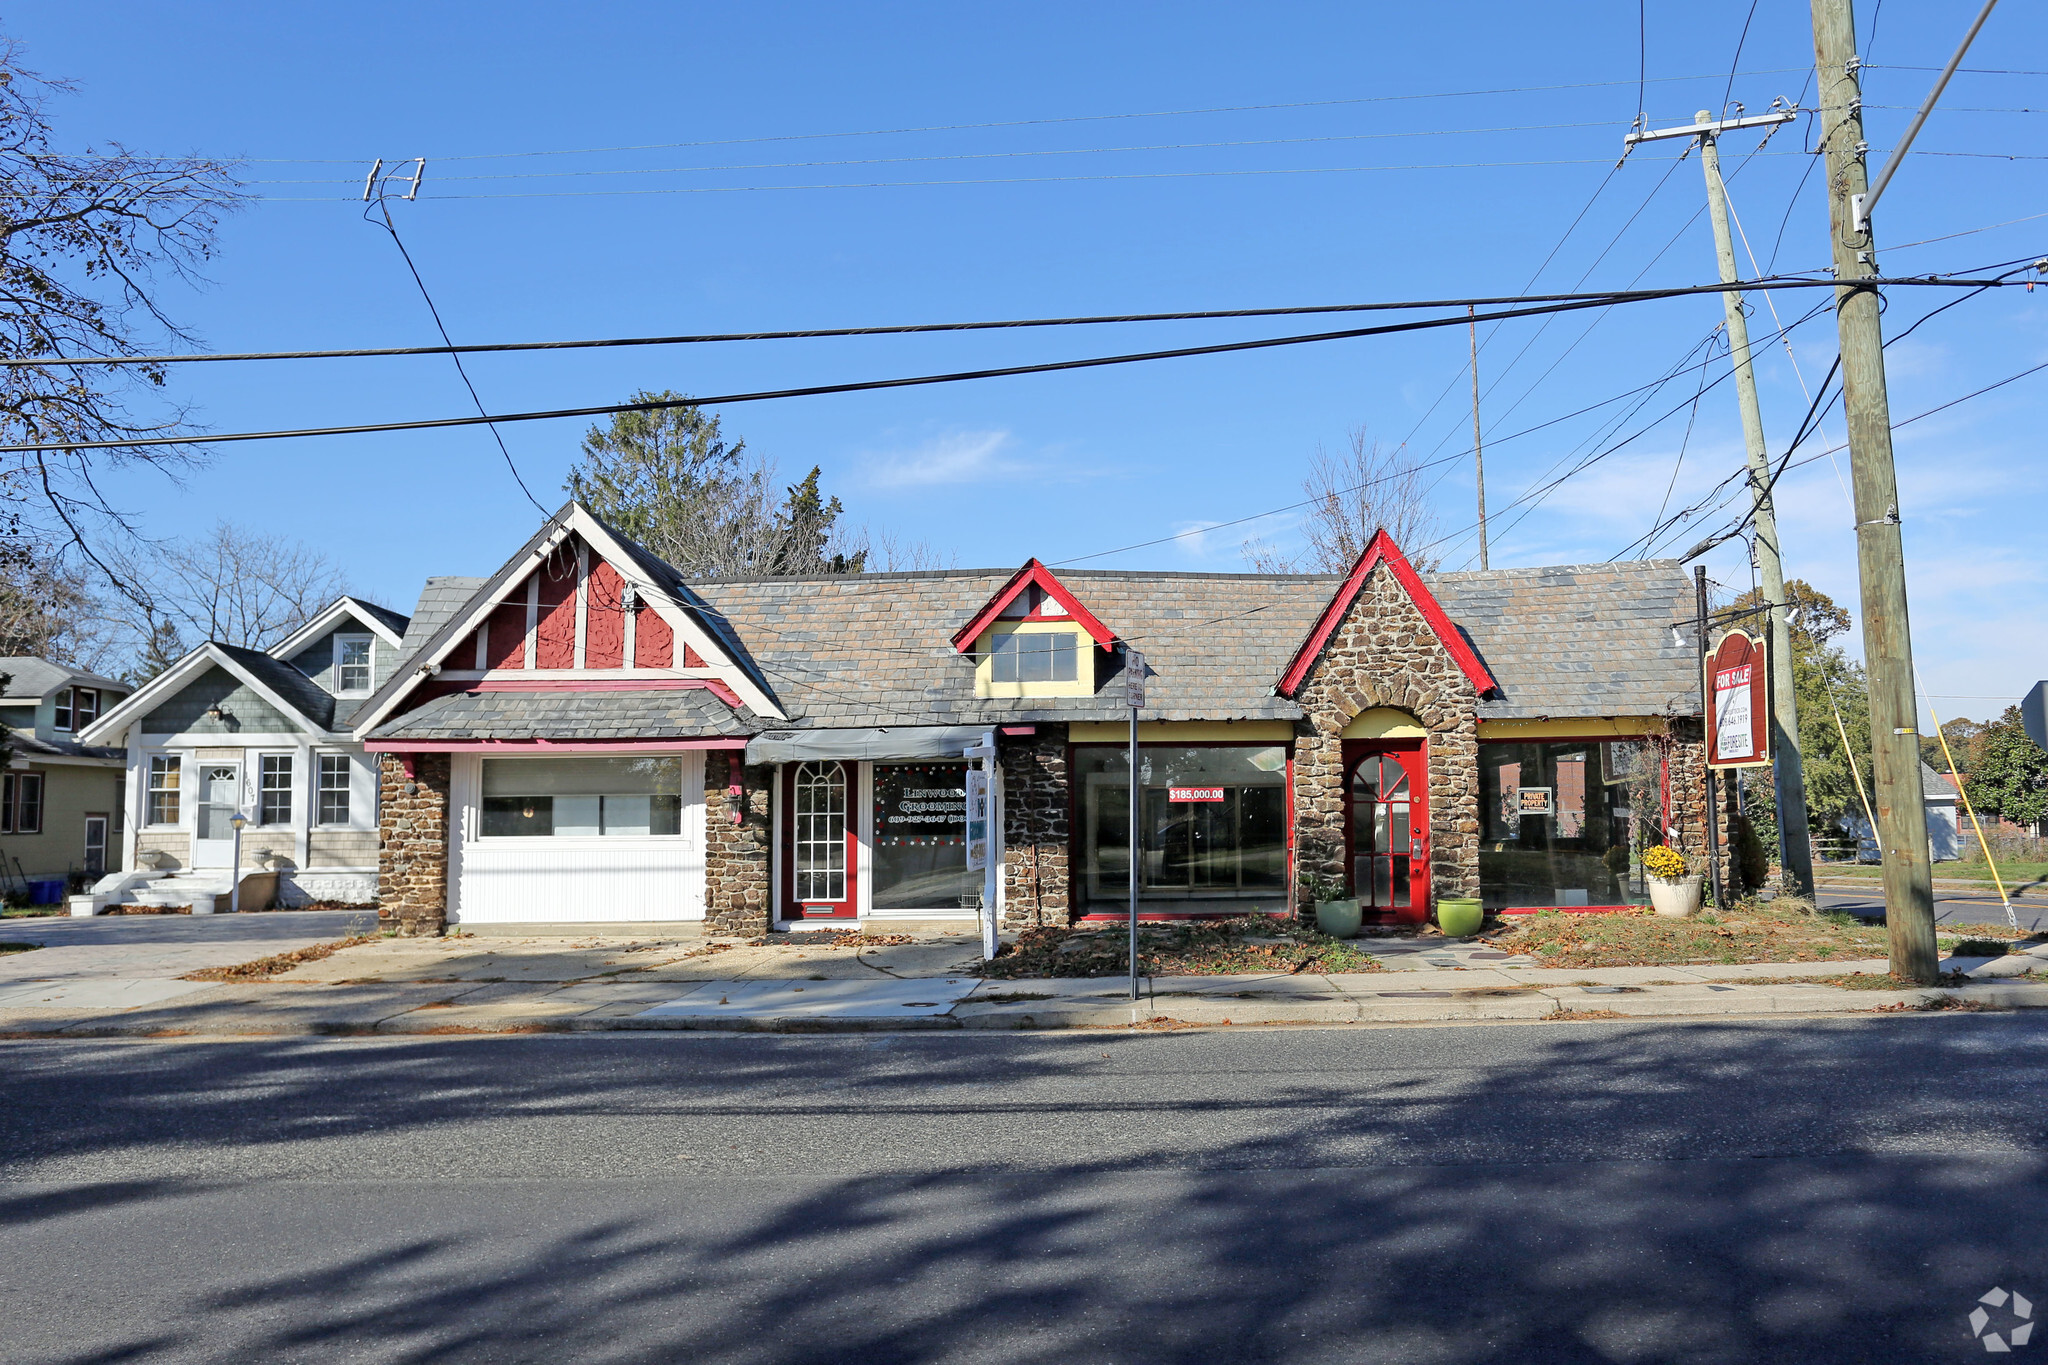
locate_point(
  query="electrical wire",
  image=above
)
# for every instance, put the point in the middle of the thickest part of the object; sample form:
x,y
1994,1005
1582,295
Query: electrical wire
x,y
860,386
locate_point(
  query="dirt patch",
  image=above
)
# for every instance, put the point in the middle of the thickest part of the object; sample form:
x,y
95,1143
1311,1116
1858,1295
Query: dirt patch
x,y
830,938
263,968
147,910
1850,981
19,947
1006,998
1938,1002
361,907
1254,943
1746,933
1563,1015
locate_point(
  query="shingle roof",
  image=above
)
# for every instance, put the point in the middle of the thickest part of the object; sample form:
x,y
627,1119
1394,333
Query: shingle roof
x,y
1934,782
35,677
870,649
28,746
1581,639
668,714
389,619
440,599
307,697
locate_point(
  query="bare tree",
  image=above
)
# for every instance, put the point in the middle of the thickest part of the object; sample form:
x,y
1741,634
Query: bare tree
x,y
1351,495
50,611
233,586
84,240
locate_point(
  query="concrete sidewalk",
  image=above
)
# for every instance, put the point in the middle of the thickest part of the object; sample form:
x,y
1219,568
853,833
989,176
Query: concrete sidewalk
x,y
822,983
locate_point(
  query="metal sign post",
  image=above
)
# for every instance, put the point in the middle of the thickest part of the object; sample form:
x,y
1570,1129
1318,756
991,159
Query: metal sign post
x,y
983,854
1134,697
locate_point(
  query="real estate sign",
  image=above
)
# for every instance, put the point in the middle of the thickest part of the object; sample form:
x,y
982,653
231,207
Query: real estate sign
x,y
1738,689
977,819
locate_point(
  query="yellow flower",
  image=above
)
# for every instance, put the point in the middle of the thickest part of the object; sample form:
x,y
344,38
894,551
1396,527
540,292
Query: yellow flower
x,y
1664,861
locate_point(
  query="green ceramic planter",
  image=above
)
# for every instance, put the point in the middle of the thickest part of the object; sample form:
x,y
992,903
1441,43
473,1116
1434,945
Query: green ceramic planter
x,y
1338,919
1459,916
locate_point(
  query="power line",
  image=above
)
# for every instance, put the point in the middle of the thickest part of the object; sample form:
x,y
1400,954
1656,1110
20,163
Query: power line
x,y
980,156
859,386
893,329
983,180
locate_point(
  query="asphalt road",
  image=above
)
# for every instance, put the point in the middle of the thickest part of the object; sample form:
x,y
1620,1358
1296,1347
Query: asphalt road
x,y
1785,1191
1950,907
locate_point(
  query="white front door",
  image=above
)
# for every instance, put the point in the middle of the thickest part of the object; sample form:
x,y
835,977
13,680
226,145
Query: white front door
x,y
219,797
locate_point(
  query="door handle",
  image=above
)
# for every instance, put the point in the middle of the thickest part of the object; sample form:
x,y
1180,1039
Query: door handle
x,y
1415,846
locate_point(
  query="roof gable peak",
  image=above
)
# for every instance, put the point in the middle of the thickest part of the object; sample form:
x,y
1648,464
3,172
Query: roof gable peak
x,y
1381,549
1032,593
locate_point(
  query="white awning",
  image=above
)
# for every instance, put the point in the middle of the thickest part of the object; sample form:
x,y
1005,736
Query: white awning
x,y
893,742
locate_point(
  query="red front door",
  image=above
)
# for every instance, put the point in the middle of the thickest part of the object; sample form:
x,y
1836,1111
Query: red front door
x,y
822,843
1388,806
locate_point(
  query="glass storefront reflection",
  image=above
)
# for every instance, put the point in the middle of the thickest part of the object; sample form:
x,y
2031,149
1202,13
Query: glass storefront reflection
x,y
1212,824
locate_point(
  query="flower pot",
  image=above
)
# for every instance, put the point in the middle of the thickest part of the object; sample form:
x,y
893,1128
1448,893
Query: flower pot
x,y
1675,897
1459,916
1338,919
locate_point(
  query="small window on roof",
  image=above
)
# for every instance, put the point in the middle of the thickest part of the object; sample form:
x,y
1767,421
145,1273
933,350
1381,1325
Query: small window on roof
x,y
352,658
1033,657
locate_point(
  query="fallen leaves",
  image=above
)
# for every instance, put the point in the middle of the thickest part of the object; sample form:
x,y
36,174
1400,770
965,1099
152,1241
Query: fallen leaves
x,y
263,968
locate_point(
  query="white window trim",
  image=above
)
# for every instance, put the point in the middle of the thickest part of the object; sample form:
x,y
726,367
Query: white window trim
x,y
184,761
360,792
342,639
292,790
66,702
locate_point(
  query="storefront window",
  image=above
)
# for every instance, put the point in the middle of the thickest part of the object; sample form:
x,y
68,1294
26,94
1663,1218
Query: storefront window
x,y
920,850
1565,821
582,797
1212,824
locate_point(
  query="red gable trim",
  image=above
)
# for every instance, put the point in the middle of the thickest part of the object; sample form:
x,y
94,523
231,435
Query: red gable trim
x,y
1033,573
1382,550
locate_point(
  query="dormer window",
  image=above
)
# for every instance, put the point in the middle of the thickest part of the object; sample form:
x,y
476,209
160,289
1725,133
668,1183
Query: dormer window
x,y
1041,656
353,656
74,708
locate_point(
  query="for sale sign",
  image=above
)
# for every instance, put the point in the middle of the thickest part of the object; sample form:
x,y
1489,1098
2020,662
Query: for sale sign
x,y
1738,699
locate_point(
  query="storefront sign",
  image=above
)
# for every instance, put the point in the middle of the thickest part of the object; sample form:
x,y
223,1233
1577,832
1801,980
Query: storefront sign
x,y
1194,793
920,803
977,819
1737,677
1536,801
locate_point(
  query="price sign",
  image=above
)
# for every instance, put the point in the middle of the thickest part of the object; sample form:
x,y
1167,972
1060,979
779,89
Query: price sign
x,y
1194,793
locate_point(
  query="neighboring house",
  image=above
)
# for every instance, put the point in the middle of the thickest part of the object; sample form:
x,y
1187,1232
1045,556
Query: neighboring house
x,y
266,733
60,799
586,738
1945,828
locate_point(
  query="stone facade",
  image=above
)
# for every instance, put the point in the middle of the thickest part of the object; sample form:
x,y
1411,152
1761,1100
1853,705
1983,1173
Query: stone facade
x,y
738,898
412,852
1384,653
1688,796
1036,822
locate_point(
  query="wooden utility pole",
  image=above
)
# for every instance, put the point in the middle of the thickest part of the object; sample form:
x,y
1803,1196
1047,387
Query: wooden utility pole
x,y
1478,458
1788,775
1880,552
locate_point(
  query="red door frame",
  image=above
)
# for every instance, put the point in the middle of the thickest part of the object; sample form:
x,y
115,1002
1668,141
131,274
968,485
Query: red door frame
x,y
849,906
1414,756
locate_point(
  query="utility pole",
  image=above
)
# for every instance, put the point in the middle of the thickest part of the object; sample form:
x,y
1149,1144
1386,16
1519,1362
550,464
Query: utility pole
x,y
1788,775
1795,852
1880,550
1478,458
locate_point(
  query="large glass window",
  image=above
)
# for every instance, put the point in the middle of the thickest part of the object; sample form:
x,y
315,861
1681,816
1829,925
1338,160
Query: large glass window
x,y
582,797
163,790
1033,656
920,851
1212,822
274,790
1565,821
336,774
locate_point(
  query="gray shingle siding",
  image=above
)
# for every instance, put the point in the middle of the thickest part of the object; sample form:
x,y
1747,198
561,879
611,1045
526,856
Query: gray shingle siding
x,y
244,711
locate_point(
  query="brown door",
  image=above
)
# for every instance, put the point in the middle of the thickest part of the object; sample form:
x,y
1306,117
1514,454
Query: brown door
x,y
1388,815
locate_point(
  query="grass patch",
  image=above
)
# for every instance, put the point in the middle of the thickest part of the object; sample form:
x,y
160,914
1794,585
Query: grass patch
x,y
2013,873
1978,947
1851,981
1747,932
12,947
33,911
1008,997
263,968
1252,943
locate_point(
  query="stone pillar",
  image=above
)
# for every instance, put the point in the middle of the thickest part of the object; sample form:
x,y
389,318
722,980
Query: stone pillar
x,y
1036,829
412,844
738,899
1687,759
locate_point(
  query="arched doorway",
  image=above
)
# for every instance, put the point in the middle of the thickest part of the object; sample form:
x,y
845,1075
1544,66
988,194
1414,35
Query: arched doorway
x,y
1387,820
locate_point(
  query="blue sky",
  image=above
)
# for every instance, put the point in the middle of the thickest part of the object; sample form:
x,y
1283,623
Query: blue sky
x,y
1087,190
